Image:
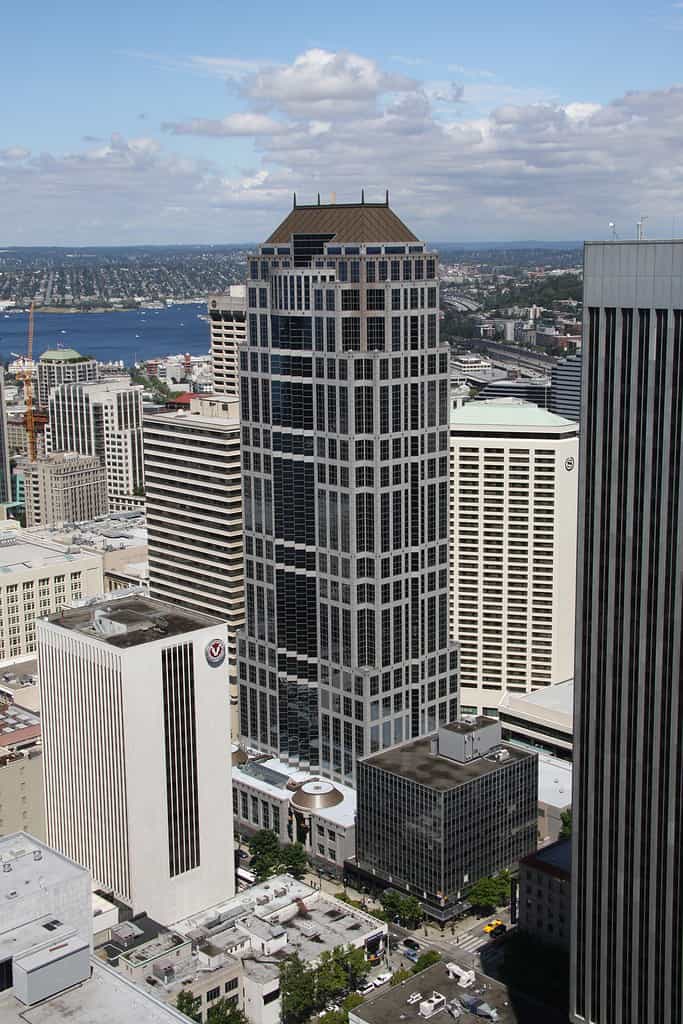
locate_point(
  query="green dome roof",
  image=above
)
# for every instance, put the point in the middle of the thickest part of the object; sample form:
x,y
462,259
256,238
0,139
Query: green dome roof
x,y
60,355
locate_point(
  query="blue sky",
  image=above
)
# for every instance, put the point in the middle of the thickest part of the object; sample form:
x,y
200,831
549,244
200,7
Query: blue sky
x,y
150,123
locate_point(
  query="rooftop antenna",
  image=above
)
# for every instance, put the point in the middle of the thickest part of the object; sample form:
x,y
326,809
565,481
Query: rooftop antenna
x,y
613,229
640,228
362,195
294,205
318,199
386,197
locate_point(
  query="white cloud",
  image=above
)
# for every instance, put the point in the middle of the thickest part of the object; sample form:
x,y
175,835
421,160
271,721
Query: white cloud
x,y
14,153
528,168
245,123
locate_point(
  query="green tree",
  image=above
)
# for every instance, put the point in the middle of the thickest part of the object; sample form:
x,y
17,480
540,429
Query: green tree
x,y
297,990
398,976
226,1012
265,853
426,960
354,964
335,1017
293,859
352,1000
190,1005
391,903
331,977
411,912
566,819
485,893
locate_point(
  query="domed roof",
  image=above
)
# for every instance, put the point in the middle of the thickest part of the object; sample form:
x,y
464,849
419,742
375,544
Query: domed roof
x,y
314,794
60,355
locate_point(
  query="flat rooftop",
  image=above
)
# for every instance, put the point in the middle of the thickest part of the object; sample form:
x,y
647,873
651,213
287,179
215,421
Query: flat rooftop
x,y
107,998
274,778
29,866
414,760
19,550
558,697
17,724
115,530
391,1006
557,857
130,621
554,781
509,414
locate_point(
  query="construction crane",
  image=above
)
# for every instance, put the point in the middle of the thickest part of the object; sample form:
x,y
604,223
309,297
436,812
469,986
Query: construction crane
x,y
26,376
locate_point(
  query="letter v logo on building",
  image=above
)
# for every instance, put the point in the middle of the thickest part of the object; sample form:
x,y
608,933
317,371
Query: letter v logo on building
x,y
215,652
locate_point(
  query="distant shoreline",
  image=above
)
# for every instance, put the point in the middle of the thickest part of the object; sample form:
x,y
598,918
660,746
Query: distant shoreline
x,y
107,309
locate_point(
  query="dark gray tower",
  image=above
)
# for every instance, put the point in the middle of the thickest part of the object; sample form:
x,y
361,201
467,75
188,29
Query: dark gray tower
x,y
627,882
344,400
565,388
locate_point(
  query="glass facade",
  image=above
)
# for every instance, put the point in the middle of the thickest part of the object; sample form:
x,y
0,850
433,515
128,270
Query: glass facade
x,y
345,486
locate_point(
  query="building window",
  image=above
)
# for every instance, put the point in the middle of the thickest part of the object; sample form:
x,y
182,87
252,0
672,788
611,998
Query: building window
x,y
212,994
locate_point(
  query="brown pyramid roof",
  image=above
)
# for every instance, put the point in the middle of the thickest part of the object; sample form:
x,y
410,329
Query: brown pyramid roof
x,y
347,222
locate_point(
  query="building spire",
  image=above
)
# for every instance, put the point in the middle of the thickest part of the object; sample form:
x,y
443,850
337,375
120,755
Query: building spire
x,y
386,198
362,196
294,204
318,199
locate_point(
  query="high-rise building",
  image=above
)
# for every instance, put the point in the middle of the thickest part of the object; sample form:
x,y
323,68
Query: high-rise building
x,y
528,389
103,419
565,388
63,366
627,869
137,753
5,475
345,396
513,549
64,487
194,510
228,324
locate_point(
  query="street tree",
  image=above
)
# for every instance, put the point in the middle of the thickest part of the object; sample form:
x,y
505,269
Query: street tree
x,y
190,1005
485,894
297,990
265,853
226,1012
566,819
293,859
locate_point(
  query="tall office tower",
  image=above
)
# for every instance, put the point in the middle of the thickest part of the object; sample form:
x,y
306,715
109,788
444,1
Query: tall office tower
x,y
228,323
136,750
344,398
63,366
565,388
627,867
528,389
513,549
64,487
5,475
103,419
194,510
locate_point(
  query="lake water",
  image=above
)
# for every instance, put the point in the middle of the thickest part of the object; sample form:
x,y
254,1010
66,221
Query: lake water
x,y
130,335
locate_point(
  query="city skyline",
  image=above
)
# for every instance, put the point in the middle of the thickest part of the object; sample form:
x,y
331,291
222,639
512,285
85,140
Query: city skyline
x,y
198,129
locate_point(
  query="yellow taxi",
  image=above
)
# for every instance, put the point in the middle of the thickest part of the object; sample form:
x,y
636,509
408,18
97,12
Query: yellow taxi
x,y
491,925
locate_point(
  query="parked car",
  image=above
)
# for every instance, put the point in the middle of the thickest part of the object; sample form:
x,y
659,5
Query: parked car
x,y
498,931
366,989
492,924
243,854
382,979
411,944
412,955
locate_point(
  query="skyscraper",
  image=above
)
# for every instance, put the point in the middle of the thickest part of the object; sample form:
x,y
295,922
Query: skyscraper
x,y
627,885
194,511
227,320
63,366
565,389
5,476
513,549
103,419
344,399
136,749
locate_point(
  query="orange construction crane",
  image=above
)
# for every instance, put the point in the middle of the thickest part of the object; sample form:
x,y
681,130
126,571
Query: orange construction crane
x,y
26,376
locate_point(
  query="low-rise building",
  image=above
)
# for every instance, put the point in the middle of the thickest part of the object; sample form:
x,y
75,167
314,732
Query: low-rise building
x,y
298,807
64,487
37,578
554,795
262,926
22,803
542,719
438,991
544,894
437,814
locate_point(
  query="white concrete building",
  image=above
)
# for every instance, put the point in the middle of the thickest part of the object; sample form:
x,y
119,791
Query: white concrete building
x,y
103,419
513,507
298,807
63,366
64,487
136,747
194,510
37,578
542,719
228,323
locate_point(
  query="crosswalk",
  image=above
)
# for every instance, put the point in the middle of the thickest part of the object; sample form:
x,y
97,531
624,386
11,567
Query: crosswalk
x,y
471,941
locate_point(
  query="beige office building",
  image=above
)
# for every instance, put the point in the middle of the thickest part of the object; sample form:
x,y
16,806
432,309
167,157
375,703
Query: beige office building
x,y
513,509
194,510
22,802
64,487
38,578
228,322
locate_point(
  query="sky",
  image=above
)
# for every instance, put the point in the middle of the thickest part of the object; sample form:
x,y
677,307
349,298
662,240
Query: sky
x,y
152,122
